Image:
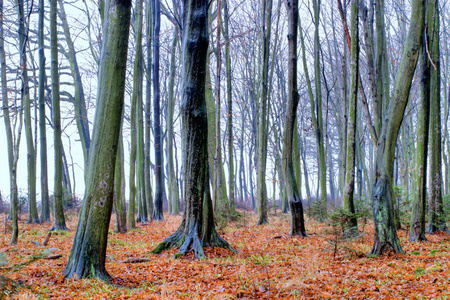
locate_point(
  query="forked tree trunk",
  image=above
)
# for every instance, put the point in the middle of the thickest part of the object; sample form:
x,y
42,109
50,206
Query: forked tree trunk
x,y
87,257
295,202
197,227
386,238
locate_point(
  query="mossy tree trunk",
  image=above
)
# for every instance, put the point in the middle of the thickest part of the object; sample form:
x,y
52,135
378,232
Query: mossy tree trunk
x,y
120,205
417,227
60,223
386,238
437,214
45,203
197,226
87,257
292,190
349,189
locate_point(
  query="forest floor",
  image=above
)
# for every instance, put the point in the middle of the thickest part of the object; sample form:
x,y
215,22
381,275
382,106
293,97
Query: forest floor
x,y
270,265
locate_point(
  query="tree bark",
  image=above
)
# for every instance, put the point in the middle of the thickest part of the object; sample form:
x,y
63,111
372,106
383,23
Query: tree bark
x,y
87,257
386,238
197,227
295,202
45,203
159,180
60,223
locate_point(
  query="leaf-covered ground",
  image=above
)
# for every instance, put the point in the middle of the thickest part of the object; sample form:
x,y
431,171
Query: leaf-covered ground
x,y
269,265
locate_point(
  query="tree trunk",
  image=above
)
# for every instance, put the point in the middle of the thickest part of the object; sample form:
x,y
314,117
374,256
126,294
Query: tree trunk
x,y
159,180
45,204
437,214
60,223
120,205
262,132
87,257
295,202
417,227
148,186
349,189
386,238
173,187
197,226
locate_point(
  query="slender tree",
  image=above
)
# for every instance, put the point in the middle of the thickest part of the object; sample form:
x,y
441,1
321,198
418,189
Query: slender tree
x,y
292,190
159,180
60,223
88,254
437,214
349,205
262,130
45,203
197,226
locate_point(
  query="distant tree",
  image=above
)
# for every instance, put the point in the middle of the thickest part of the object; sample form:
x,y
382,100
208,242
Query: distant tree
x,y
88,254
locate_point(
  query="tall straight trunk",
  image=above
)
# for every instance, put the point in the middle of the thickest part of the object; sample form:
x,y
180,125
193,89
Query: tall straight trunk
x,y
417,227
231,178
12,141
318,109
349,205
292,190
197,227
60,223
25,95
173,187
262,132
386,238
147,166
81,114
138,93
120,206
159,180
88,254
437,214
45,203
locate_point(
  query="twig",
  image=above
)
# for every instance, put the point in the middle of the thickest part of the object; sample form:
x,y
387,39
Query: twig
x,y
135,260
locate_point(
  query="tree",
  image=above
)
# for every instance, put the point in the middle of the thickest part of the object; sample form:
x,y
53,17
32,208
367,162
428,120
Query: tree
x,y
25,94
437,214
197,227
349,205
12,139
262,129
386,238
159,180
417,227
87,257
45,203
292,190
60,223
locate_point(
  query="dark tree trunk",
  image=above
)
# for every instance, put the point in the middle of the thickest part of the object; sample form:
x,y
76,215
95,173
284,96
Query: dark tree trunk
x,y
197,227
87,257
